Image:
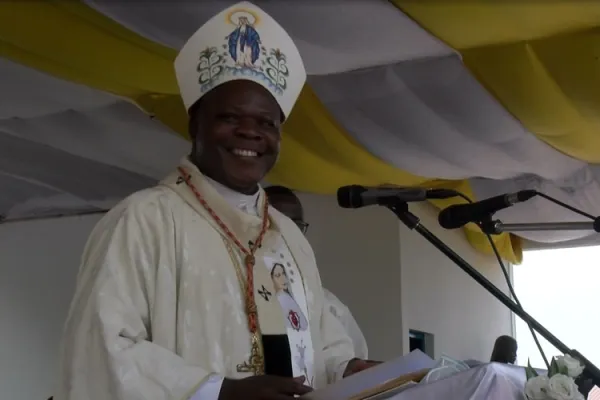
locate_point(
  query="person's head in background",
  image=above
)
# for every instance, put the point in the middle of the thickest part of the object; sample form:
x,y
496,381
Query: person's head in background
x,y
287,203
505,350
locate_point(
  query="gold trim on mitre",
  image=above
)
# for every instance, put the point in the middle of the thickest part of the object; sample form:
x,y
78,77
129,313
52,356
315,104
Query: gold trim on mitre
x,y
234,15
241,42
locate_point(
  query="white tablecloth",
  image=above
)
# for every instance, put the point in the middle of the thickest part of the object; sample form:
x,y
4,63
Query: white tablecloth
x,y
485,382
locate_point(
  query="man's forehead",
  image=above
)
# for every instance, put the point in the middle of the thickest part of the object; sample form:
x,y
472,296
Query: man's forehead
x,y
240,95
238,89
288,205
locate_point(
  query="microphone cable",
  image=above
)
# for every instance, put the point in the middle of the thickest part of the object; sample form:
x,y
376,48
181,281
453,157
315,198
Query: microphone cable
x,y
564,205
508,282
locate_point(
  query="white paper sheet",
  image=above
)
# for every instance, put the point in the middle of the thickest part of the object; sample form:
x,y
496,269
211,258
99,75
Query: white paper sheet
x,y
373,377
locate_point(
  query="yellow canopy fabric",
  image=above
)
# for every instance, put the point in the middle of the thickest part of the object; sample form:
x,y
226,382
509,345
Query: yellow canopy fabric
x,y
540,60
73,42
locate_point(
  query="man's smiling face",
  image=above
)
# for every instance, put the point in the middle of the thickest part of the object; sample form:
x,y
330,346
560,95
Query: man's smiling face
x,y
236,129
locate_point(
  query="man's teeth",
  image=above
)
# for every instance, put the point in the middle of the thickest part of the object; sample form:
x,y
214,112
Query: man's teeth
x,y
244,153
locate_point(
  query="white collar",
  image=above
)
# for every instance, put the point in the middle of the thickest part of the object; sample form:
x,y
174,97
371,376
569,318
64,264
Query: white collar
x,y
247,203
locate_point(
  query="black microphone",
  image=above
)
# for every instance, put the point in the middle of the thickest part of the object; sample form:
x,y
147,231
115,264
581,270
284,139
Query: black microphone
x,y
355,196
459,215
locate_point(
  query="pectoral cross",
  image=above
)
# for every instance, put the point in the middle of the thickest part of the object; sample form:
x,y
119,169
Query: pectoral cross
x,y
264,292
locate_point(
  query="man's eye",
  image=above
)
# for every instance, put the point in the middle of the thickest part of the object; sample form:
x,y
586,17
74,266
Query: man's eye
x,y
228,117
268,123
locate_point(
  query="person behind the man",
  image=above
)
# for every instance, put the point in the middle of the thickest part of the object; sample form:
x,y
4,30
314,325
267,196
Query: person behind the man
x,y
286,201
505,350
176,297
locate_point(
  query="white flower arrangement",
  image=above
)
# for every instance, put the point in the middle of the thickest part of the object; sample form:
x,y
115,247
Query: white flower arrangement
x,y
559,384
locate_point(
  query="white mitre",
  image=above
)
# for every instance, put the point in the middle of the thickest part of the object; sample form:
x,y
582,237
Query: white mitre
x,y
241,42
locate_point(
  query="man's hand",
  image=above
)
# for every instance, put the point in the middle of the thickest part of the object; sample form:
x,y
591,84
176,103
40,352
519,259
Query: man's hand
x,y
264,387
356,365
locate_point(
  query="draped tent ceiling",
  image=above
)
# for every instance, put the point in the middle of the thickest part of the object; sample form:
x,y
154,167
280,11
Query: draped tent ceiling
x,y
484,97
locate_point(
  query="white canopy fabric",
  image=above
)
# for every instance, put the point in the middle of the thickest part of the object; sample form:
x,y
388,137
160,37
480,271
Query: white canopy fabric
x,y
400,93
65,147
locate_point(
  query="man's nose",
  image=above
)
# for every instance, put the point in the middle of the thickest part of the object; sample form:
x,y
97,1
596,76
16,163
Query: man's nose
x,y
249,129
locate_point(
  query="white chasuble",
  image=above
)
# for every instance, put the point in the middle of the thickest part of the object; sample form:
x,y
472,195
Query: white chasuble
x,y
159,308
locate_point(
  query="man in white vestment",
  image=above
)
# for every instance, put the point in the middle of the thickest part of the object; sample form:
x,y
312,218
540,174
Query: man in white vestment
x,y
179,292
285,200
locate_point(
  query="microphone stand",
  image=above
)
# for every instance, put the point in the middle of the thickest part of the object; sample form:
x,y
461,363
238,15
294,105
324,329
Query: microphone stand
x,y
591,373
496,227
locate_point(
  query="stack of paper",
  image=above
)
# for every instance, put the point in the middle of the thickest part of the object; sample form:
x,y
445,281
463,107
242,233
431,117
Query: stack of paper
x,y
379,382
388,393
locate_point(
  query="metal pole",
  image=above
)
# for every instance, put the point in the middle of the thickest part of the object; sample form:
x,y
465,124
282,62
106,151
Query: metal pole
x,y
544,226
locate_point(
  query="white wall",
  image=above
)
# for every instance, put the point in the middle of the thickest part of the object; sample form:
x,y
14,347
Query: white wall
x,y
38,265
390,288
441,299
359,260
410,286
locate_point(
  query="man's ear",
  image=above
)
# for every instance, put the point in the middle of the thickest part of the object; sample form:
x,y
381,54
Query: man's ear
x,y
193,117
192,127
